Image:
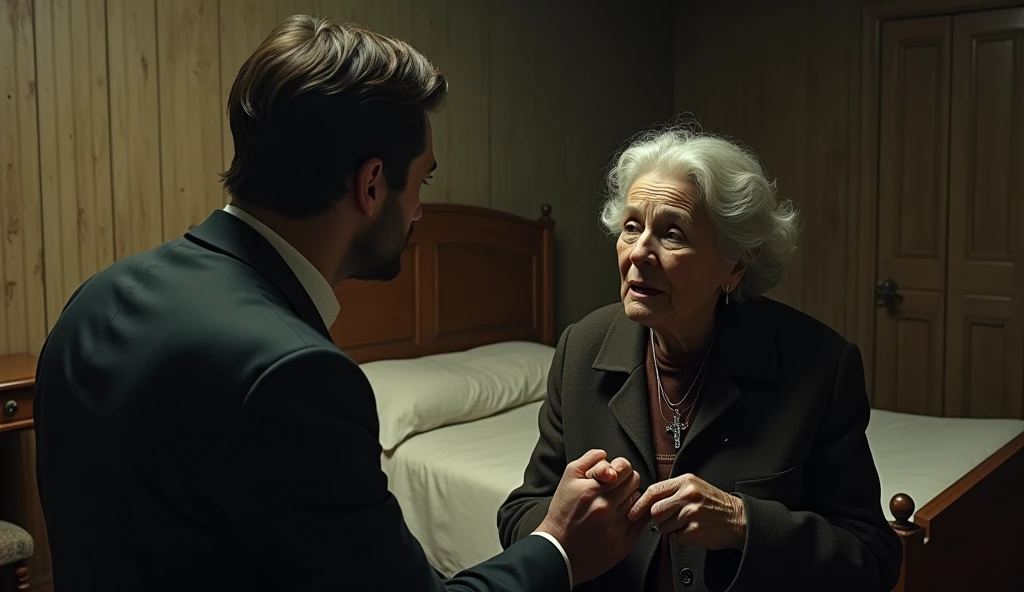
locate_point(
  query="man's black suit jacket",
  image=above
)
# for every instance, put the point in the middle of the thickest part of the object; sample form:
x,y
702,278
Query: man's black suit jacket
x,y
197,429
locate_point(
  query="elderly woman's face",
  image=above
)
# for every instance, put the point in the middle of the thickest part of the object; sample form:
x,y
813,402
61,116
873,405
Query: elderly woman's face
x,y
669,262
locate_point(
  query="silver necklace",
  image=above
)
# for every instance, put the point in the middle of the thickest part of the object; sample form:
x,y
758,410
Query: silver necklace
x,y
661,390
677,427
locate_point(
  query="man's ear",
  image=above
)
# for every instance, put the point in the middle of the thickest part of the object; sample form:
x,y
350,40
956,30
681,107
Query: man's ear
x,y
369,185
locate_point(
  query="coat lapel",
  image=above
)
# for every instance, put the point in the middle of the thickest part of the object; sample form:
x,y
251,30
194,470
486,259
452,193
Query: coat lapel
x,y
226,234
719,394
745,349
629,407
623,353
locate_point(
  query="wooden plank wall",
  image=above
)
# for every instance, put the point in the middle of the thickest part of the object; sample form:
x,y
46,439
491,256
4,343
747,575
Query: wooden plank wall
x,y
113,112
112,132
783,79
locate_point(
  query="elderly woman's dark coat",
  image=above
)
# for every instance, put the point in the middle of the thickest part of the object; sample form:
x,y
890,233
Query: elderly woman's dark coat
x,y
781,425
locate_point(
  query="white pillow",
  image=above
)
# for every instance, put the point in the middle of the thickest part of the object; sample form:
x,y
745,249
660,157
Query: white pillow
x,y
417,395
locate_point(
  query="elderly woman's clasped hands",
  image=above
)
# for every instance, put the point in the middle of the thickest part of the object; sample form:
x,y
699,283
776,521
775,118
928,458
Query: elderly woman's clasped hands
x,y
686,508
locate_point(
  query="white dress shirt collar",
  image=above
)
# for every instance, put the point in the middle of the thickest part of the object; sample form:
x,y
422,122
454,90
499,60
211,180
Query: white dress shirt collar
x,y
319,290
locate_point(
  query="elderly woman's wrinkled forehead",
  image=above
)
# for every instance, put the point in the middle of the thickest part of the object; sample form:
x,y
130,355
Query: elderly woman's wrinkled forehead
x,y
656,191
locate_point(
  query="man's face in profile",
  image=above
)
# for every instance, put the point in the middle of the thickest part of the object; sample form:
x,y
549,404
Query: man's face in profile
x,y
379,249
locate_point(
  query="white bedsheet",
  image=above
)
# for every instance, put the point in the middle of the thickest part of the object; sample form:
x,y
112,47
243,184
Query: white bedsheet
x,y
451,481
921,456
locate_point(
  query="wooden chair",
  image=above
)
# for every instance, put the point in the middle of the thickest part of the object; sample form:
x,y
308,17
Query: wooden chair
x,y
16,546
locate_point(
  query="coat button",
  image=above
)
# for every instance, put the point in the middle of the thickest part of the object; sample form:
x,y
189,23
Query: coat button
x,y
686,575
654,527
725,439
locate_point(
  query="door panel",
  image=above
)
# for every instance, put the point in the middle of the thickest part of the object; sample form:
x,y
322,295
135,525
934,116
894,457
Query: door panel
x,y
912,205
985,281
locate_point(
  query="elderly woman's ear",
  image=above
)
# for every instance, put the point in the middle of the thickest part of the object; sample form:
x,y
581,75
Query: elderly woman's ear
x,y
738,271
743,264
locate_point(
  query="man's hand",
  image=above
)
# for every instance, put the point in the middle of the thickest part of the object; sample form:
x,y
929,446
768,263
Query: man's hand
x,y
607,471
590,518
693,511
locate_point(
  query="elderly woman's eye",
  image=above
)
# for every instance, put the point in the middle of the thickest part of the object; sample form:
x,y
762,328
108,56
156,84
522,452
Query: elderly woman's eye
x,y
631,227
676,236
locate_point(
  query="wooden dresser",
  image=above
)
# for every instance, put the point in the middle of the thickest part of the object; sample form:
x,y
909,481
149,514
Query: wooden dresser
x,y
19,501
17,378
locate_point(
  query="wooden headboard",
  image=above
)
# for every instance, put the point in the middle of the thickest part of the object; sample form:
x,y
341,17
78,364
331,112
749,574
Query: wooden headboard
x,y
470,276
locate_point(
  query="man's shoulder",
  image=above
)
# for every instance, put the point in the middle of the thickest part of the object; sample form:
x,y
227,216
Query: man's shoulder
x,y
312,365
179,305
320,378
135,266
251,340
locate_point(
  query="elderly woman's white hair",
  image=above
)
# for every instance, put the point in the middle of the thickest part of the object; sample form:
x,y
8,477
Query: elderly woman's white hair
x,y
749,218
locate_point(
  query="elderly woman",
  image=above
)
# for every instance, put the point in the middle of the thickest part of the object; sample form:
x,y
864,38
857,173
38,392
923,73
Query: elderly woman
x,y
744,417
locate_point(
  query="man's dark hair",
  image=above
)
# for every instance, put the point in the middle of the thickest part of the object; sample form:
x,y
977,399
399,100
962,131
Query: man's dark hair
x,y
314,102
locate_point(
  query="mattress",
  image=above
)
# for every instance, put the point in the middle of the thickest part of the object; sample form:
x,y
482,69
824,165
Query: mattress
x,y
451,481
922,456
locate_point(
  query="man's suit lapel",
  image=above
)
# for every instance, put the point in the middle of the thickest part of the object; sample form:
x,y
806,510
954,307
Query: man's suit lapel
x,y
226,234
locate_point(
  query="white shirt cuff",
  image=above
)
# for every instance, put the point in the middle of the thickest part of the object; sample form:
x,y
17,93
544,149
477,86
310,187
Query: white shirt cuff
x,y
568,566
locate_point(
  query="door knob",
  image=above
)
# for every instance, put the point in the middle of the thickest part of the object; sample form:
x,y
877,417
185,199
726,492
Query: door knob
x,y
887,294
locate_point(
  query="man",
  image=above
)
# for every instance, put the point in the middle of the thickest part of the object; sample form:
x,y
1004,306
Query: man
x,y
198,430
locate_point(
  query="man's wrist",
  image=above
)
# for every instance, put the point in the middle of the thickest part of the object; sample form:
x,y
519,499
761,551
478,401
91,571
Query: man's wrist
x,y
552,531
558,540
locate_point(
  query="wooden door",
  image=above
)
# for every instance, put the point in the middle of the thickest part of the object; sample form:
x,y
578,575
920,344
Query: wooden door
x,y
949,336
912,204
985,281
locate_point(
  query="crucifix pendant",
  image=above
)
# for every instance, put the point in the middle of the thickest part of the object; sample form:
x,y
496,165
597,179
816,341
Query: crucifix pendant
x,y
676,428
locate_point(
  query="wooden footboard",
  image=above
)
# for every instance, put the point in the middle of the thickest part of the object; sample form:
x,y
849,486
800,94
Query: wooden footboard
x,y
969,536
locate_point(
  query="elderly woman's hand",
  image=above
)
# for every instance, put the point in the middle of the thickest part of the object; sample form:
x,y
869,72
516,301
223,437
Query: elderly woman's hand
x,y
693,511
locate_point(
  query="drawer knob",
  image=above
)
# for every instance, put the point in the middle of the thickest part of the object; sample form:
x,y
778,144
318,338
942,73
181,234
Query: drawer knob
x,y
10,408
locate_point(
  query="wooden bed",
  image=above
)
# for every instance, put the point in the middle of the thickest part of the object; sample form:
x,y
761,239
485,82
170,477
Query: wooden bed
x,y
472,276
969,536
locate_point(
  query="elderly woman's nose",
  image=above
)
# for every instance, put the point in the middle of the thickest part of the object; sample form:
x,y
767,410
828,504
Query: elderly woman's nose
x,y
642,251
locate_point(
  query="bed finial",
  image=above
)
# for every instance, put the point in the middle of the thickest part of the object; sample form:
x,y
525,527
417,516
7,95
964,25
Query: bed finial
x,y
902,508
545,212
